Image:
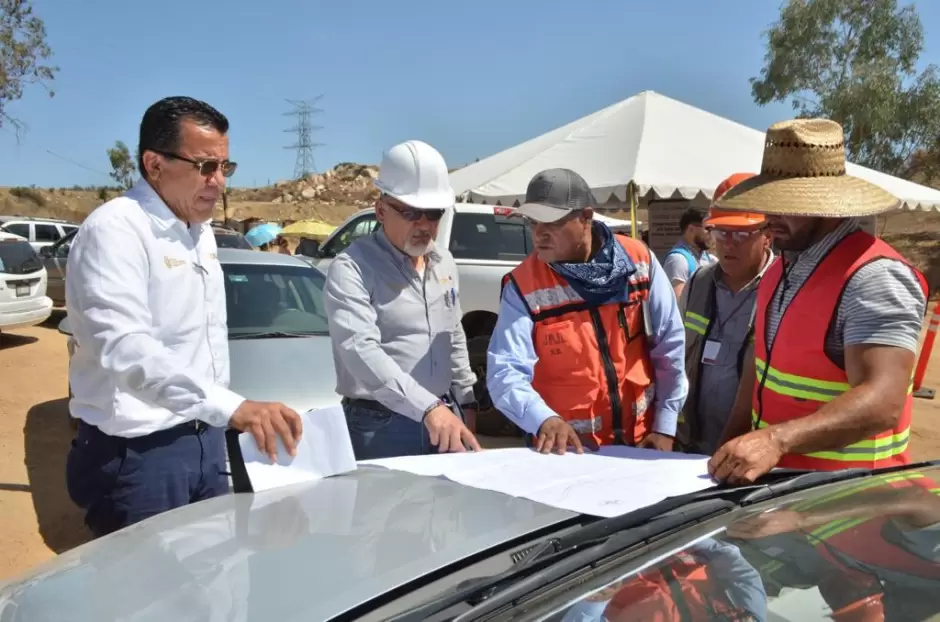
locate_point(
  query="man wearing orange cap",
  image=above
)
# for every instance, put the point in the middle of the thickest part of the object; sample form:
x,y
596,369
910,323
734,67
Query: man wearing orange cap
x,y
718,307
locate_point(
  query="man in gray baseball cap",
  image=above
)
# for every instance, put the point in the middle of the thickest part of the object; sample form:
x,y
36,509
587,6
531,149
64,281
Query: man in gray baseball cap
x,y
589,345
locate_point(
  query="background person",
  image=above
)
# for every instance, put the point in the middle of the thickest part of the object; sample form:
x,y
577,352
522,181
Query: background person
x,y
146,305
691,251
393,303
718,306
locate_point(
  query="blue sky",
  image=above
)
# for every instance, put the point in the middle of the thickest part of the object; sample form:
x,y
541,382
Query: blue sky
x,y
471,78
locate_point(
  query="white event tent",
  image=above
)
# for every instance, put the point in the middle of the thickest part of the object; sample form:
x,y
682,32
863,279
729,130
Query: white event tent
x,y
666,148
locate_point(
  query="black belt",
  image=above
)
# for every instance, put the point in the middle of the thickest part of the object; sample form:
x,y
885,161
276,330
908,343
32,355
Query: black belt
x,y
190,427
380,407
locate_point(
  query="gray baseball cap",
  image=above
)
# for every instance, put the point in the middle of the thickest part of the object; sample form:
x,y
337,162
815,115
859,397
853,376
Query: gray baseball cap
x,y
555,193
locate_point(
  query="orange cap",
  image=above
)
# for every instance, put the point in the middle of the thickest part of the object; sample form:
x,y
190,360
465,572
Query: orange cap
x,y
727,218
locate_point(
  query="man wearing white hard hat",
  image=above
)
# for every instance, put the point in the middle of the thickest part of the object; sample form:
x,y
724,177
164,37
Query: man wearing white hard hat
x,y
393,304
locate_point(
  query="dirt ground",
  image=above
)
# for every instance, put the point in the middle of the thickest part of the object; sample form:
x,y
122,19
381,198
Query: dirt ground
x,y
37,519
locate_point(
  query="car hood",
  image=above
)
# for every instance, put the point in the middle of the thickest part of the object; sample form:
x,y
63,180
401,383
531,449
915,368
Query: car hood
x,y
304,552
296,371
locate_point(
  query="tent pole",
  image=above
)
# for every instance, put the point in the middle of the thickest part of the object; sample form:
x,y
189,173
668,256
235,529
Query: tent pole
x,y
631,196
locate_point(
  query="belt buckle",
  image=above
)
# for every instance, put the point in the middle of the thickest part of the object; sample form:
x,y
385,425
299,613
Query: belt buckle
x,y
199,425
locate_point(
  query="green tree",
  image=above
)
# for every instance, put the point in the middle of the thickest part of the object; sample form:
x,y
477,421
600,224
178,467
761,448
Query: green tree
x,y
855,61
123,166
23,50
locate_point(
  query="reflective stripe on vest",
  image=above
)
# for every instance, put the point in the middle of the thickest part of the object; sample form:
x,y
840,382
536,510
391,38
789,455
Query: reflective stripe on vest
x,y
696,322
781,395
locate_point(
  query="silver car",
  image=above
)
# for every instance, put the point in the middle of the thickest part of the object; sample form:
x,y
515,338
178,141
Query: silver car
x,y
279,344
55,258
386,545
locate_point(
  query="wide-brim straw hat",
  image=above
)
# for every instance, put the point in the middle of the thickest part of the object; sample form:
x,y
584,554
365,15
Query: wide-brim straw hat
x,y
803,174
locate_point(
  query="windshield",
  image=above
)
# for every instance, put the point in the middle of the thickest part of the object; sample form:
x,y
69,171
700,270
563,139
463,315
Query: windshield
x,y
867,551
18,257
231,240
265,299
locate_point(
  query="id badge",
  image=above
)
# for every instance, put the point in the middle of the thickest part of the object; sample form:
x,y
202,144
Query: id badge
x,y
710,352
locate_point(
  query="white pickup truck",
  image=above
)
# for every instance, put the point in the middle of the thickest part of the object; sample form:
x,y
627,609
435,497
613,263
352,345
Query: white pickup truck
x,y
486,244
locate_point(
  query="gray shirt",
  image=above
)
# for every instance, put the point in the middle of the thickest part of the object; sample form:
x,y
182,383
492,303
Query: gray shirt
x,y
397,335
718,381
882,303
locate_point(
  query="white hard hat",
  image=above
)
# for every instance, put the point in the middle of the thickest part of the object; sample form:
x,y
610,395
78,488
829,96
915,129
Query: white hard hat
x,y
415,173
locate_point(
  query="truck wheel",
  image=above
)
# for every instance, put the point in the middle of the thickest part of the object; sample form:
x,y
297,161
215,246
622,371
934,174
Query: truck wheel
x,y
490,422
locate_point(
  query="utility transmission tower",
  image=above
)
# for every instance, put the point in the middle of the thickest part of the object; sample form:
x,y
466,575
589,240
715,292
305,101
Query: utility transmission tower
x,y
304,111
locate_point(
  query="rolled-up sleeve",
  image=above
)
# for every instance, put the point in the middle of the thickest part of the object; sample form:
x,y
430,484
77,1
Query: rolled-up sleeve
x,y
667,351
463,376
510,366
357,342
107,290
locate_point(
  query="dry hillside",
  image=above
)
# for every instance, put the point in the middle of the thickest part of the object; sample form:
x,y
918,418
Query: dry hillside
x,y
346,188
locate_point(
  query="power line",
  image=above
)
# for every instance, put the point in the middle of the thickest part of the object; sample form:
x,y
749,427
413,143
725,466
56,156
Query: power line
x,y
304,111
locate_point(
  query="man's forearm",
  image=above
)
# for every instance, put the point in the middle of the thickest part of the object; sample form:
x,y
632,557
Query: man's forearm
x,y
855,415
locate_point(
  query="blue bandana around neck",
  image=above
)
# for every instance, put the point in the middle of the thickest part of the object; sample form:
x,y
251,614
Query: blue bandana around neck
x,y
603,277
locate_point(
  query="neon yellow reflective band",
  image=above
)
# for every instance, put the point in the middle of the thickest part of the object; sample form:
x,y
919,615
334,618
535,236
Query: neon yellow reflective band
x,y
695,322
798,387
865,450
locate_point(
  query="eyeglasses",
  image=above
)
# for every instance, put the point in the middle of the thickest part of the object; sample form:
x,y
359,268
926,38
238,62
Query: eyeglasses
x,y
206,168
732,237
414,215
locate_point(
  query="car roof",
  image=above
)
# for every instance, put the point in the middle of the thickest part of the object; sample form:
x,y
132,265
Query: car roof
x,y
309,551
243,256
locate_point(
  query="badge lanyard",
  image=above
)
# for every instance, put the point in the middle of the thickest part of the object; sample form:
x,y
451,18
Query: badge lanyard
x,y
712,347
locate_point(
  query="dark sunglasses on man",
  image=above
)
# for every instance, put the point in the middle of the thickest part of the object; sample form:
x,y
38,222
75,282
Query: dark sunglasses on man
x,y
206,168
414,215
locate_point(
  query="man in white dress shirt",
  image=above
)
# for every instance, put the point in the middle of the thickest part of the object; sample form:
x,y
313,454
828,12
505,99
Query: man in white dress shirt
x,y
146,302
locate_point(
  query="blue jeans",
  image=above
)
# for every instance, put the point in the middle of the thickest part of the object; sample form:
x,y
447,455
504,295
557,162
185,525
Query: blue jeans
x,y
121,481
377,432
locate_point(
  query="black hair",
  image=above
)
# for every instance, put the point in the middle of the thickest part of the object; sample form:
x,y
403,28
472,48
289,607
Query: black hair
x,y
160,127
690,217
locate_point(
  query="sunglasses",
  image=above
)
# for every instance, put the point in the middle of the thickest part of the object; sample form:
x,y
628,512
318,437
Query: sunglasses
x,y
414,215
724,236
206,168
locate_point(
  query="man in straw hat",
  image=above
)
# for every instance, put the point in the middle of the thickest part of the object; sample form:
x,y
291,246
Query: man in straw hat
x,y
718,308
838,319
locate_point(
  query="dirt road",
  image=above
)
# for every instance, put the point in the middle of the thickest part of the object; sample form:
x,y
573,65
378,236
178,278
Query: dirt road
x,y
37,519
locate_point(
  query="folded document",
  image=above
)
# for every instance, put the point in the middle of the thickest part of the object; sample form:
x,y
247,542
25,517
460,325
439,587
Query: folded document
x,y
609,482
324,450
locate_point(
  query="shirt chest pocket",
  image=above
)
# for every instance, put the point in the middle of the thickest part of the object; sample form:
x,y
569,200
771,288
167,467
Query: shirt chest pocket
x,y
442,306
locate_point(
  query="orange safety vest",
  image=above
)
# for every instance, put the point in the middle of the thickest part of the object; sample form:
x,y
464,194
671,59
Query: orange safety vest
x,y
681,590
593,366
796,377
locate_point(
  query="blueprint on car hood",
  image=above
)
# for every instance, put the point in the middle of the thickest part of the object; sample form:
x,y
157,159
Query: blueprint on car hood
x,y
609,482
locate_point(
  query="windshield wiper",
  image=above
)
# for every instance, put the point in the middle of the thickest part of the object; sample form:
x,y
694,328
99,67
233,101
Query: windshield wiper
x,y
274,334
555,558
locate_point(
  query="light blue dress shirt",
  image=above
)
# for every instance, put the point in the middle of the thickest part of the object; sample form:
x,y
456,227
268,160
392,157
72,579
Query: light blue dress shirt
x,y
511,359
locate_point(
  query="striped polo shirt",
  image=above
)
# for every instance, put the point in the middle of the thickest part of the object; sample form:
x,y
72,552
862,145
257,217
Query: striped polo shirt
x,y
882,303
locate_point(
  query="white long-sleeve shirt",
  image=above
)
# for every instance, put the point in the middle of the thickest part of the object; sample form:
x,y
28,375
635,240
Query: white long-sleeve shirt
x,y
146,302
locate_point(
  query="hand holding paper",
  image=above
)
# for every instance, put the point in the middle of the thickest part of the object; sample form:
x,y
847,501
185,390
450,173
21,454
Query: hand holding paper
x,y
272,424
323,450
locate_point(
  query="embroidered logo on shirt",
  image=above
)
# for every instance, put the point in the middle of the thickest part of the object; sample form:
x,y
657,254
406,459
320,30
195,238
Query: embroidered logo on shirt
x,y
171,262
